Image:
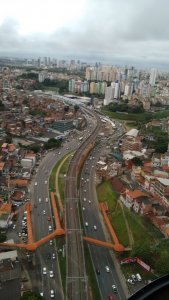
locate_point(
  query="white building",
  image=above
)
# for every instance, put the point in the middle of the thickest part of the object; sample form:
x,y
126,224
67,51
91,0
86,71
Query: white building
x,y
109,94
153,76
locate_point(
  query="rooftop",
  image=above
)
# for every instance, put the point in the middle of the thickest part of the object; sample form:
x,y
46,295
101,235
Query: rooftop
x,y
164,181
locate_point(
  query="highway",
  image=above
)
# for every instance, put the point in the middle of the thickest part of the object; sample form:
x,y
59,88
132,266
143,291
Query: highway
x,y
101,257
41,228
76,280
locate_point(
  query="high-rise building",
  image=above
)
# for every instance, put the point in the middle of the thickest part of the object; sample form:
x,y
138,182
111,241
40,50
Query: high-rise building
x,y
109,95
153,76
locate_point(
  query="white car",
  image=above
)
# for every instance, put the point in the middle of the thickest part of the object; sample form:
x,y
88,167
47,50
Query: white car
x,y
95,227
40,200
14,226
44,212
130,281
46,199
107,269
51,274
53,256
114,288
50,228
84,199
46,182
36,183
19,234
44,271
51,242
86,224
89,201
52,295
83,208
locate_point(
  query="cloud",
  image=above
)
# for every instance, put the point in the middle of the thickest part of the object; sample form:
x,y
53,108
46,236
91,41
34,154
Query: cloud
x,y
131,30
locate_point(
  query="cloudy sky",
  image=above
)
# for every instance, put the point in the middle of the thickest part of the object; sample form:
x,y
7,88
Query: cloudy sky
x,y
127,31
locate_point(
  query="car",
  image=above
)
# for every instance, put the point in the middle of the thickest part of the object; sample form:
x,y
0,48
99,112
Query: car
x,y
48,255
40,200
53,256
19,234
107,269
52,294
44,212
49,218
86,224
130,281
41,293
46,200
51,242
134,278
84,199
89,201
85,191
83,208
51,275
50,228
114,288
110,297
46,181
59,153
98,271
36,183
95,227
138,277
44,271
14,226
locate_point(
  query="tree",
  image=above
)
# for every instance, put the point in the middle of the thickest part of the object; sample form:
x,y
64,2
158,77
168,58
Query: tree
x,y
162,265
137,161
31,296
143,251
76,107
2,237
52,143
34,148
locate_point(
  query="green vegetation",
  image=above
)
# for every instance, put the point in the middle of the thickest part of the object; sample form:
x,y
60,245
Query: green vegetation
x,y
2,106
160,139
2,236
37,112
118,223
29,75
61,178
106,194
124,107
139,117
31,296
61,85
52,143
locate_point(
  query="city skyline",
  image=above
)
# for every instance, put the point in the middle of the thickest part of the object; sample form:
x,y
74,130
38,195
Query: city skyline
x,y
116,32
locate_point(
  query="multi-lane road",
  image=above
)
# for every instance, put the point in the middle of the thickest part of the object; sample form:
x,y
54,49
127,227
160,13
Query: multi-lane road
x,y
76,287
101,257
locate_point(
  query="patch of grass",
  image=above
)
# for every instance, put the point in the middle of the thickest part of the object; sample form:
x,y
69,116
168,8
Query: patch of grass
x,y
118,223
61,178
52,177
106,194
60,242
139,231
142,117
